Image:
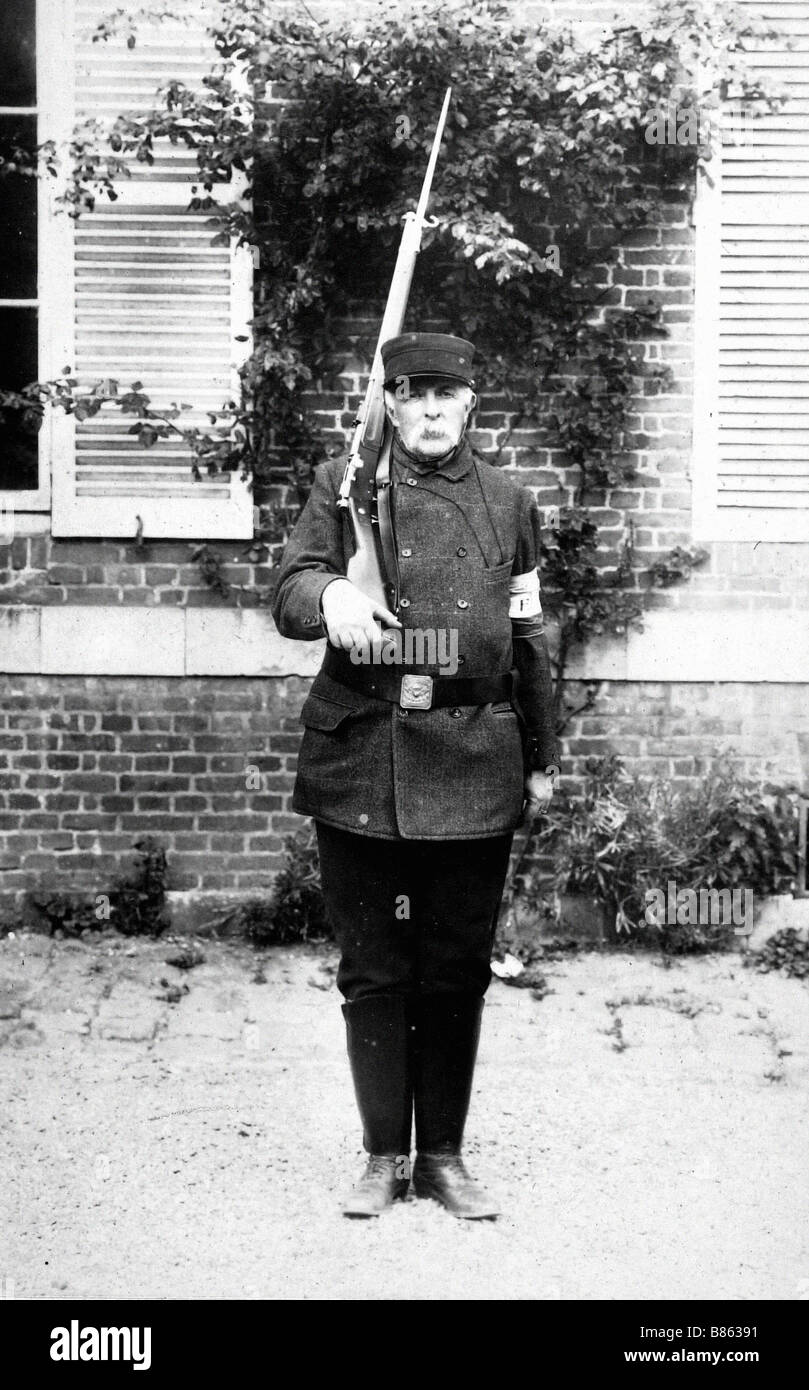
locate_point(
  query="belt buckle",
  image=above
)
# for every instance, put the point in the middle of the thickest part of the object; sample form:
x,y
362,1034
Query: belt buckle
x,y
416,692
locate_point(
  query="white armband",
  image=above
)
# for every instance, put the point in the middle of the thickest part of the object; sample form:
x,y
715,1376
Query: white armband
x,y
524,595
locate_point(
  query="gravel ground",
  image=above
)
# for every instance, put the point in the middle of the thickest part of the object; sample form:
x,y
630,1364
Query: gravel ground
x,y
645,1127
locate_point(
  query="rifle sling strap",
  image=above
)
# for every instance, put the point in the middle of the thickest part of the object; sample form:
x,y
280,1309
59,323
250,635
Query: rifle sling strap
x,y
387,541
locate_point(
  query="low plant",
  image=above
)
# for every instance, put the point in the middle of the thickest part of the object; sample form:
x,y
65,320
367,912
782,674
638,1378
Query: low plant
x,y
628,836
786,951
66,911
138,903
295,909
134,905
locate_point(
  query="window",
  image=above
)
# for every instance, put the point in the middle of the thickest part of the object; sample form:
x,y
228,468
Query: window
x,y
751,435
133,291
152,299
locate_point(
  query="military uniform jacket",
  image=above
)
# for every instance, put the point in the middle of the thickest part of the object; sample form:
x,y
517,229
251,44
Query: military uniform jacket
x,y
462,532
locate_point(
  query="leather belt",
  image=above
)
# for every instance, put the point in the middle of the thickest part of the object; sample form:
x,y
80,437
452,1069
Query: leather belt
x,y
413,691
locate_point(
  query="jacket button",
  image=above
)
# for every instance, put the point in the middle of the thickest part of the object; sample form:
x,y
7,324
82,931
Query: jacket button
x,y
461,550
411,482
407,552
404,602
456,713
402,713
462,603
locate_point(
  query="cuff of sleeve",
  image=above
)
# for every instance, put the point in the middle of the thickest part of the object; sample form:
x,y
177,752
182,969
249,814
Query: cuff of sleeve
x,y
322,584
541,755
310,593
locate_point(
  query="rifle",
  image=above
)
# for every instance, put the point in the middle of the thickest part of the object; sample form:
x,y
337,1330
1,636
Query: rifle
x,y
363,491
506,921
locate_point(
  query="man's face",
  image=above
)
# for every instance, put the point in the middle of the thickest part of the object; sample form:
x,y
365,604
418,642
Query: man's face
x,y
430,413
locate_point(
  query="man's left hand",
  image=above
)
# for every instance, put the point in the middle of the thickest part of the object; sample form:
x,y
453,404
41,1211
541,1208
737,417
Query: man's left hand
x,y
538,793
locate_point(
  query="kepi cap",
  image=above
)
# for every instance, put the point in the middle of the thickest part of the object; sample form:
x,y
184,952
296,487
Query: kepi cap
x,y
428,354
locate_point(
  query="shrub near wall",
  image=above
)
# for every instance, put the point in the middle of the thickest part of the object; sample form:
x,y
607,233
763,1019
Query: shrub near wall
x,y
627,838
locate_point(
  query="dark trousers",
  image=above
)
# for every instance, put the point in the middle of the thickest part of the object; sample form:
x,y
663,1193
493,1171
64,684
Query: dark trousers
x,y
412,916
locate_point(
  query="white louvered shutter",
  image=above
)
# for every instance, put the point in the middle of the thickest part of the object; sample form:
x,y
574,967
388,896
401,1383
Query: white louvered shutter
x,y
752,354
153,301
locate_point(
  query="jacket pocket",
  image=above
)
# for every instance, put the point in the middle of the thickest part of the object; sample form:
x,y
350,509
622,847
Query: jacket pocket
x,y
498,574
318,712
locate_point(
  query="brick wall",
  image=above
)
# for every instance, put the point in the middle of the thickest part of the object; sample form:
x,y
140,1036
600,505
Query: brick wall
x,y
36,570
89,765
676,729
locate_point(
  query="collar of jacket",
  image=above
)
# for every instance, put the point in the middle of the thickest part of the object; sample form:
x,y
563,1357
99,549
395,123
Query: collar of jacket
x,y
456,465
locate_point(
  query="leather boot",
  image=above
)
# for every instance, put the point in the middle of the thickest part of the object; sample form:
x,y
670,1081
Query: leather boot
x,y
377,1036
447,1029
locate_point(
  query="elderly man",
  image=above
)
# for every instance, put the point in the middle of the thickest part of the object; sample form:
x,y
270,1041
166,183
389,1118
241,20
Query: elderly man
x,y
417,777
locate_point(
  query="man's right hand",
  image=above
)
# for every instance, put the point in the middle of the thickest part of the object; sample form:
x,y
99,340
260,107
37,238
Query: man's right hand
x,y
350,616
